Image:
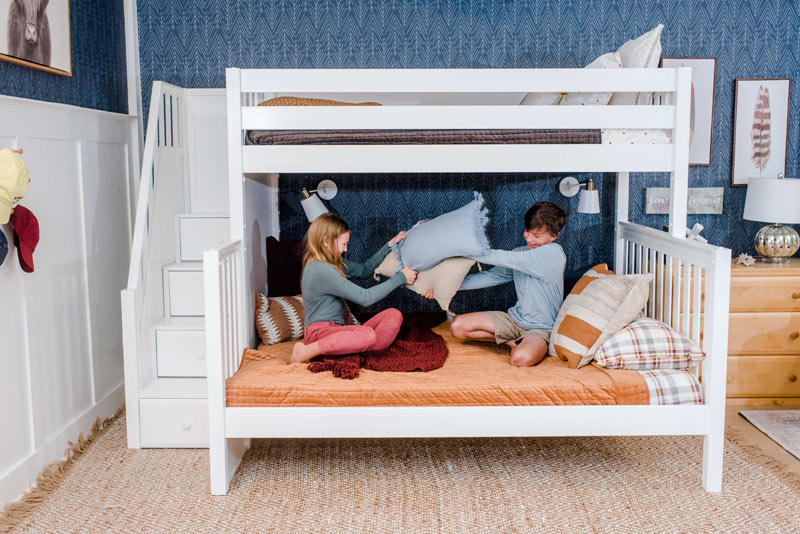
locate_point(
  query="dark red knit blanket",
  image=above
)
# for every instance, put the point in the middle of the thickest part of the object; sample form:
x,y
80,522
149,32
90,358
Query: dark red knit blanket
x,y
416,348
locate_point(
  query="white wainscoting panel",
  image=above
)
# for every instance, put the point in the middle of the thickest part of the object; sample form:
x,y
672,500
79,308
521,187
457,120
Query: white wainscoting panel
x,y
61,352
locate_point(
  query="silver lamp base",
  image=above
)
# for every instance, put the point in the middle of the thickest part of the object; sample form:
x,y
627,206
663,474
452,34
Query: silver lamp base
x,y
777,242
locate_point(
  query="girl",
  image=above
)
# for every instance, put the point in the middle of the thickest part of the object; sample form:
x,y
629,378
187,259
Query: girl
x,y
325,285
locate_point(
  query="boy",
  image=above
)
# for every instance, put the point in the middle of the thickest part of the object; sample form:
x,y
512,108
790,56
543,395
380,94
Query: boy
x,y
537,271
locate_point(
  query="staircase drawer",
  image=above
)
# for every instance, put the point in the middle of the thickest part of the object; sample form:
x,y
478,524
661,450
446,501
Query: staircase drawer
x,y
173,422
202,233
763,376
181,352
186,293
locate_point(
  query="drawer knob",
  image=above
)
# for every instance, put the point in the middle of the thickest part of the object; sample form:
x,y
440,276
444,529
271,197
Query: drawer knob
x,y
793,378
794,335
796,295
187,425
221,239
200,355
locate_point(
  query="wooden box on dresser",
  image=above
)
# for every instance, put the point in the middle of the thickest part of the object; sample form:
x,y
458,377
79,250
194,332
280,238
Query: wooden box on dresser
x,y
764,334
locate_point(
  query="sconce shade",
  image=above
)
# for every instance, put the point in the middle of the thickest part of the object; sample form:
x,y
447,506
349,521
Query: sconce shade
x,y
773,200
313,207
589,201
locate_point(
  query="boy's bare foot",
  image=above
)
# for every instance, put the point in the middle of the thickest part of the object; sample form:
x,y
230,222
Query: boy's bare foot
x,y
301,352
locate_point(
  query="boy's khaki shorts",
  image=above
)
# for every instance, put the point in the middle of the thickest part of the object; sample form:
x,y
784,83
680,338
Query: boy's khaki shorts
x,y
505,329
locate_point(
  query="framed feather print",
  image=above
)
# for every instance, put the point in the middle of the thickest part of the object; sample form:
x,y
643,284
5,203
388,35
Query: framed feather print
x,y
760,128
704,74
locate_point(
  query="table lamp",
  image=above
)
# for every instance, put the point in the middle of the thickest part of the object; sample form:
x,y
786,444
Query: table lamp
x,y
776,201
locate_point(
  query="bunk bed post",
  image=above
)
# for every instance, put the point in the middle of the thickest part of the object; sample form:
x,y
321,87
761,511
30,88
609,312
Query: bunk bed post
x,y
679,177
623,179
715,368
233,84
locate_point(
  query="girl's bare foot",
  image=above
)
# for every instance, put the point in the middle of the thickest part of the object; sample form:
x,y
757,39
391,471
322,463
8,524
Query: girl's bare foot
x,y
301,352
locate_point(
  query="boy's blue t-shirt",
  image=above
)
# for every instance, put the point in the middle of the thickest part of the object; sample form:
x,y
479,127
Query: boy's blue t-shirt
x,y
538,276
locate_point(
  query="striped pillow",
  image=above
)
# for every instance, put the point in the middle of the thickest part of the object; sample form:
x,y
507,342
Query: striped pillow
x,y
280,319
649,344
599,306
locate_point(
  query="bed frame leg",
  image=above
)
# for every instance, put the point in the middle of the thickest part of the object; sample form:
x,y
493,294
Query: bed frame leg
x,y
225,456
713,448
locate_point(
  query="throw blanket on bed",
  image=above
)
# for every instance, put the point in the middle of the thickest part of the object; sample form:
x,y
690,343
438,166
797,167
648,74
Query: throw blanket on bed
x,y
416,348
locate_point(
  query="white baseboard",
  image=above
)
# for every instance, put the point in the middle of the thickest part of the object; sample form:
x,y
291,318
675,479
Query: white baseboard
x,y
22,476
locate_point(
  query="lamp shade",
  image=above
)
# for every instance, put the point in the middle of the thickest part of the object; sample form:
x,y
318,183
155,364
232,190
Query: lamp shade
x,y
773,200
589,201
313,207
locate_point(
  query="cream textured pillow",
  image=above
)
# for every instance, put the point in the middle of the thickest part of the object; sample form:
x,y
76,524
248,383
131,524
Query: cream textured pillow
x,y
599,306
606,61
444,279
644,52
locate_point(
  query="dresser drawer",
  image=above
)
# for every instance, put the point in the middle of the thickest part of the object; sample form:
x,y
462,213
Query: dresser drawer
x,y
181,352
173,422
763,376
765,293
764,333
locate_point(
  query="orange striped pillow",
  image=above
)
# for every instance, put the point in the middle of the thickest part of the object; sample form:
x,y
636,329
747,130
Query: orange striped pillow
x,y
599,306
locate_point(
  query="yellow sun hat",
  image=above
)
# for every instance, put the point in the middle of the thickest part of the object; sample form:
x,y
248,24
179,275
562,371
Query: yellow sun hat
x,y
13,182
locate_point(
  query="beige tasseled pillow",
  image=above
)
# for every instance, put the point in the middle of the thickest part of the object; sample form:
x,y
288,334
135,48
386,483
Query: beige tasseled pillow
x,y
444,279
599,306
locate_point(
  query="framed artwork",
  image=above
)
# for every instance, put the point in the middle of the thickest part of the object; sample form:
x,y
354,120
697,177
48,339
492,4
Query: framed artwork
x,y
35,33
704,76
760,128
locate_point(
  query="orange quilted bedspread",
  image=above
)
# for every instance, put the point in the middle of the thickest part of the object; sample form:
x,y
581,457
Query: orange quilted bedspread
x,y
474,374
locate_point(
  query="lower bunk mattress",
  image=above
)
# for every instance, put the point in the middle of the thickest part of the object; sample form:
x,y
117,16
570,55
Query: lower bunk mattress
x,y
474,374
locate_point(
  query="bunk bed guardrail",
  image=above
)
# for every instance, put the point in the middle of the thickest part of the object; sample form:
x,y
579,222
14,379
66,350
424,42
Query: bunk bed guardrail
x,y
159,200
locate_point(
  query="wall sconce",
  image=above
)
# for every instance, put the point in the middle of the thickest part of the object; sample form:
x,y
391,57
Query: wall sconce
x,y
589,201
312,205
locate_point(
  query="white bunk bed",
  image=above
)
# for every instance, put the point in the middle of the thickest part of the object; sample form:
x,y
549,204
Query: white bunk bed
x,y
678,265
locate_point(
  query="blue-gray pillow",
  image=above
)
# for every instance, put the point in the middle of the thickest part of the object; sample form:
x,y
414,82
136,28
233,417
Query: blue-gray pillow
x,y
458,233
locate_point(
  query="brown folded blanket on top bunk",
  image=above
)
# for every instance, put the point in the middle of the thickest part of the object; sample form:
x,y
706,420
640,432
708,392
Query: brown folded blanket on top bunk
x,y
416,348
409,137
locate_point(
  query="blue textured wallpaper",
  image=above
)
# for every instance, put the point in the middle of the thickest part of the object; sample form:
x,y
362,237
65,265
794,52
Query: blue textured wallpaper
x,y
98,81
190,42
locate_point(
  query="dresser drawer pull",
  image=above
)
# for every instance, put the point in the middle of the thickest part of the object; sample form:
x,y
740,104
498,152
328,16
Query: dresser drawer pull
x,y
187,425
200,356
794,335
793,378
796,295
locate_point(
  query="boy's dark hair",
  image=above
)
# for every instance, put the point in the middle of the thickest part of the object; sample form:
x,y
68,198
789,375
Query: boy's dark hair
x,y
545,214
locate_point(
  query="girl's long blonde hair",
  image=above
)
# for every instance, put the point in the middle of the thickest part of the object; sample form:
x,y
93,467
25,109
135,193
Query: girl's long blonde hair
x,y
327,227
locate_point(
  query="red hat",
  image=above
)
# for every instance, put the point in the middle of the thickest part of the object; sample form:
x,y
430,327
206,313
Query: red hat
x,y
26,235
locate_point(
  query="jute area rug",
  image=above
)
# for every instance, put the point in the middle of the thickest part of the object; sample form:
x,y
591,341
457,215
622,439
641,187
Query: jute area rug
x,y
782,426
570,485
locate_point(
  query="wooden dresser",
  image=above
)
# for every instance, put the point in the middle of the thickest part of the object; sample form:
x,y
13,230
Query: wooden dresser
x,y
764,334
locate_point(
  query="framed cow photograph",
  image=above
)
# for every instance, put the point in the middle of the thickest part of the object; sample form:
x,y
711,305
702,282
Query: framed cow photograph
x,y
760,128
35,33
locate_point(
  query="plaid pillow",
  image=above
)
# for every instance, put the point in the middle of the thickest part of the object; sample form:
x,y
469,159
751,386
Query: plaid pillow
x,y
281,319
668,386
649,344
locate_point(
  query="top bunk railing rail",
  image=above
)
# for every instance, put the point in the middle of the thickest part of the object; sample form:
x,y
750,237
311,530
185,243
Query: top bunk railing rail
x,y
405,90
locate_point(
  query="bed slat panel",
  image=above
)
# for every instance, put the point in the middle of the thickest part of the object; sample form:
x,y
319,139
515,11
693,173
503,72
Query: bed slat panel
x,y
454,117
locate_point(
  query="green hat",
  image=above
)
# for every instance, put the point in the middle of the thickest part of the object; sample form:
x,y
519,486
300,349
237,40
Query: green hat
x,y
13,182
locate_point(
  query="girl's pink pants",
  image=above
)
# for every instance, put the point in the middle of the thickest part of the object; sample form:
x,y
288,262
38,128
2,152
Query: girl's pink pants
x,y
376,334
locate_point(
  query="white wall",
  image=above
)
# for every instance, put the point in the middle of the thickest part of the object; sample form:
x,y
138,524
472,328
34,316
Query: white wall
x,y
60,326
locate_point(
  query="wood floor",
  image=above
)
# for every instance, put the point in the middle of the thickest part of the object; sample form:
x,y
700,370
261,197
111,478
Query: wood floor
x,y
754,436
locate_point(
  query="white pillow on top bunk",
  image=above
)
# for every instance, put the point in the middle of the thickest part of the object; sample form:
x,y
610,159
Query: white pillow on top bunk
x,y
644,52
606,61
